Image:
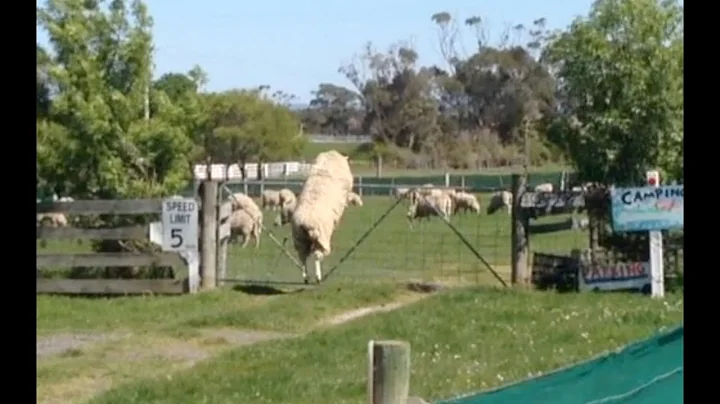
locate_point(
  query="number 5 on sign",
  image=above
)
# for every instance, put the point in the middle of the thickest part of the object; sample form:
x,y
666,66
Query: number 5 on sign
x,y
180,224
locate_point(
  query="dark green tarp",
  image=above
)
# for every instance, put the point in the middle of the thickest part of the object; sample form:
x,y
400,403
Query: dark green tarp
x,y
648,371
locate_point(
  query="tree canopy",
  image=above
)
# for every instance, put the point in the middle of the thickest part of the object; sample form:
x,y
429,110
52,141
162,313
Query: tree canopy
x,y
605,95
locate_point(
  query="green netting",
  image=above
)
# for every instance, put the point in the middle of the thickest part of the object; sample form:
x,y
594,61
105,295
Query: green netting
x,y
649,371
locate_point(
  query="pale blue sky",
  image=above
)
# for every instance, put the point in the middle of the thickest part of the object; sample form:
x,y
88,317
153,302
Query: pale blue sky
x,y
295,45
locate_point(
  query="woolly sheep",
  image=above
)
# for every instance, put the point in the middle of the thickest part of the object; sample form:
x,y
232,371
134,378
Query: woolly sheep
x,y
242,202
465,201
320,207
354,199
430,205
270,199
286,197
52,219
502,199
285,214
400,193
242,223
544,187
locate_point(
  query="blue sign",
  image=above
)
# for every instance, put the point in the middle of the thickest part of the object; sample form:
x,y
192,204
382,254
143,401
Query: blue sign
x,y
647,208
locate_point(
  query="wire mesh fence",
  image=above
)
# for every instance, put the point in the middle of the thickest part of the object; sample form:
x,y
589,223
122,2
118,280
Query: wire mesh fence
x,y
390,248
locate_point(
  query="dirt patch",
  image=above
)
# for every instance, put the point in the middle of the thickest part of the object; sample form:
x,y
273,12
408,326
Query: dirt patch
x,y
380,308
64,342
237,337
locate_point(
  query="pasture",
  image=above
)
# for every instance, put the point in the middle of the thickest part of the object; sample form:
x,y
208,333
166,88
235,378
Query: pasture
x,y
188,349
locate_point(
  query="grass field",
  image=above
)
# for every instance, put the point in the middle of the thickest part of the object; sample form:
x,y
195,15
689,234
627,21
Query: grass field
x,y
462,340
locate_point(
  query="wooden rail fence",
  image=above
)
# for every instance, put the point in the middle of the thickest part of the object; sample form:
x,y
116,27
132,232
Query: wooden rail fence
x,y
124,259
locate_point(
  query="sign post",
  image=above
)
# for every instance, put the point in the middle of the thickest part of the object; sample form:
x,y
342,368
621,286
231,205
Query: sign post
x,y
657,272
180,234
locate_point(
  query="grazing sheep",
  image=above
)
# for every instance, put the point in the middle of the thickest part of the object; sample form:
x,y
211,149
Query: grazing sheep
x,y
285,215
502,199
320,207
52,220
242,223
400,193
287,197
545,187
465,201
430,205
242,202
270,199
354,199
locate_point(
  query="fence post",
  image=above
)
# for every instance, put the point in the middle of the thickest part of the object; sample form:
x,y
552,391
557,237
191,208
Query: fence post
x,y
519,237
360,187
222,244
447,179
388,372
462,183
209,235
378,168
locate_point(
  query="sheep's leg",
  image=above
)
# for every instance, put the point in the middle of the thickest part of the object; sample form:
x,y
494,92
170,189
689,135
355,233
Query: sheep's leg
x,y
318,270
246,238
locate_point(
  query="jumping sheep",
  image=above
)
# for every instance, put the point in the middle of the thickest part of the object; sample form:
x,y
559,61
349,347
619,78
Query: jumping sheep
x,y
286,197
270,199
545,187
466,202
354,199
430,205
320,207
502,199
242,223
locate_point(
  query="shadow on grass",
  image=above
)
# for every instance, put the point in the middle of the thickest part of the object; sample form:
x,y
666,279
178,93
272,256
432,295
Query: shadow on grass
x,y
264,290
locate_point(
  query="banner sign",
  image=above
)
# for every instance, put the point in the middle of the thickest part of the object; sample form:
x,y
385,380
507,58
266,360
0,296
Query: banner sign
x,y
647,208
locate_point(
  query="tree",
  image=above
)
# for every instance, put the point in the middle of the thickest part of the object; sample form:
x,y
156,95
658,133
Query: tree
x,y
175,85
242,125
620,73
338,109
397,98
96,143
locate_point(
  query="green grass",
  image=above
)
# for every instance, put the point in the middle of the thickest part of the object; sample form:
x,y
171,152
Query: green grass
x,y
461,341
290,312
392,251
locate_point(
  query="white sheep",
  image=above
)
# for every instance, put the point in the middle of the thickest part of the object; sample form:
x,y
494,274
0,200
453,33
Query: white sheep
x,y
320,207
502,199
354,199
430,205
270,199
52,219
285,215
400,193
242,223
242,202
466,202
286,197
544,187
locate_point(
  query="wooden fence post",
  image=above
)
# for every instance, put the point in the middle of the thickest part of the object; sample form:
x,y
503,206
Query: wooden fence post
x,y
519,238
388,372
208,258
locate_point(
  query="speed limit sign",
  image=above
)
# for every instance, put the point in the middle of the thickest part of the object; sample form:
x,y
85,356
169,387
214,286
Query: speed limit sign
x,y
180,224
